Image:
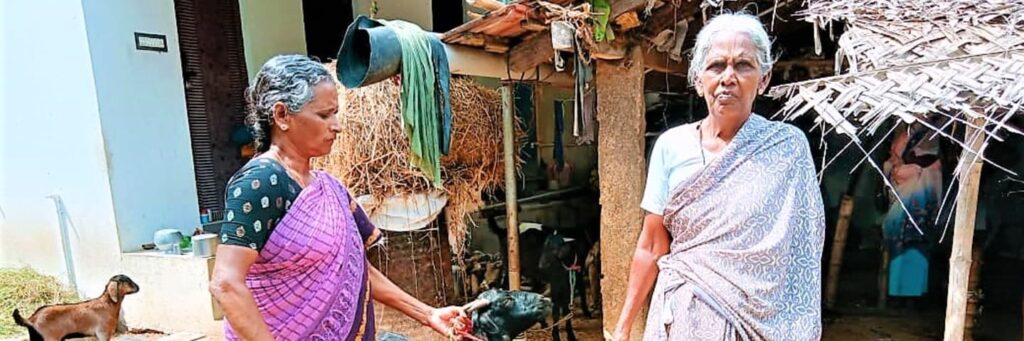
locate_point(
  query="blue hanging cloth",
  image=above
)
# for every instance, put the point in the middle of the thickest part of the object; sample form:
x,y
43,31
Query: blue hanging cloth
x,y
559,129
443,88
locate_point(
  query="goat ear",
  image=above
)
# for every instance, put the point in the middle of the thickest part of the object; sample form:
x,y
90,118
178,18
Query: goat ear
x,y
112,291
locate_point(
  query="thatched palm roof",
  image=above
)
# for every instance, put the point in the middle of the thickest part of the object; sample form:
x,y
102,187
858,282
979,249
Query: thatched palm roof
x,y
907,59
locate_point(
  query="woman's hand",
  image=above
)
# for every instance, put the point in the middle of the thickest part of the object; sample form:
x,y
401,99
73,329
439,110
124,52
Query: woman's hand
x,y
443,320
440,320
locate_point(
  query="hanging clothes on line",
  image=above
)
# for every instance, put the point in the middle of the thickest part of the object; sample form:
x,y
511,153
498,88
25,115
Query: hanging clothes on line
x,y
426,110
559,149
585,106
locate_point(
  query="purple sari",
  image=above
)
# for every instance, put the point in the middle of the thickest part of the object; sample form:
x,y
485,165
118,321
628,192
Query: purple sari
x,y
310,281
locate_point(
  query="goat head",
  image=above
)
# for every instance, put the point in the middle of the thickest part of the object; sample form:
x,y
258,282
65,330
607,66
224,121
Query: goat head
x,y
500,315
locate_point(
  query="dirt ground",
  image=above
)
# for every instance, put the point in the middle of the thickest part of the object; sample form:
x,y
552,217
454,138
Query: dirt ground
x,y
856,317
132,337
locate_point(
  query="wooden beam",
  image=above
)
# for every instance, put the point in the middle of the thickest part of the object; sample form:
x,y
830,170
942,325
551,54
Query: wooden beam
x,y
839,244
487,5
534,50
883,279
472,39
622,6
963,234
620,143
533,25
659,61
665,18
972,294
606,50
495,45
474,25
511,213
628,21
476,62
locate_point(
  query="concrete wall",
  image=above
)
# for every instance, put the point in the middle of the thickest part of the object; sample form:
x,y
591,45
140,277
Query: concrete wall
x,y
142,111
92,121
52,144
271,28
418,12
174,294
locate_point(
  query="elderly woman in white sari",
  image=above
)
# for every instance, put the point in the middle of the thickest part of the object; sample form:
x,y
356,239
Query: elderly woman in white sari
x,y
732,240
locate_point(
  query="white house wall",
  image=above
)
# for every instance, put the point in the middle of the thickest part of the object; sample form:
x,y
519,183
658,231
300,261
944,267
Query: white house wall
x,y
145,125
270,28
51,144
419,12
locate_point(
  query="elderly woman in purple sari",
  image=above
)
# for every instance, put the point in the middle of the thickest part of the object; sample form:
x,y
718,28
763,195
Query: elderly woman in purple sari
x,y
292,263
731,244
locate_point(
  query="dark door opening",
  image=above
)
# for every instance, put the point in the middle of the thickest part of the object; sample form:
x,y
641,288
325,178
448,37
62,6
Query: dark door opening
x,y
325,24
213,66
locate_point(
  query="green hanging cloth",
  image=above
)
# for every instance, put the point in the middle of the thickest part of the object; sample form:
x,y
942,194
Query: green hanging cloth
x,y
420,110
602,31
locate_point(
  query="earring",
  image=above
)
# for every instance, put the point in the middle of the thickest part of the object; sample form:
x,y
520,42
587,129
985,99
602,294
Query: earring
x,y
284,127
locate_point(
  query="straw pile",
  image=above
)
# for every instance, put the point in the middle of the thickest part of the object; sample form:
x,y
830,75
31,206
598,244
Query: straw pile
x,y
27,290
371,155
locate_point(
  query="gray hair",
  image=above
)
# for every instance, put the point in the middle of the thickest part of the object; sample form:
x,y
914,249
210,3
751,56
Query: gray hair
x,y
731,22
288,79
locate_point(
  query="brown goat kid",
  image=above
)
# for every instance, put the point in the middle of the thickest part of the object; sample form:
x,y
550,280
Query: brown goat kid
x,y
96,317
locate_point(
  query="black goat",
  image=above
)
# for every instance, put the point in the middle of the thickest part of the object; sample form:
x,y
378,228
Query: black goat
x,y
561,262
530,242
500,315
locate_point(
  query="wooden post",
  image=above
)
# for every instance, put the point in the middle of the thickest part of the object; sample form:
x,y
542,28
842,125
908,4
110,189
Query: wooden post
x,y
621,165
972,294
883,278
839,243
511,211
963,234
487,5
470,61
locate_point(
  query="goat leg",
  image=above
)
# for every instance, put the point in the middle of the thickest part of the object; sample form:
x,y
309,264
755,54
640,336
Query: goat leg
x,y
569,334
556,316
581,291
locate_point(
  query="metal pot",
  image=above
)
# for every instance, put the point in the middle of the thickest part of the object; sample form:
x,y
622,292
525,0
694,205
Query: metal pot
x,y
204,245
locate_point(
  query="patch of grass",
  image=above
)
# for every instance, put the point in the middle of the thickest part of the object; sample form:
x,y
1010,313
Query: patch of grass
x,y
27,290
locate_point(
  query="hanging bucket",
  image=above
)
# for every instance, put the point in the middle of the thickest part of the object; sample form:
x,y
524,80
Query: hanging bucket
x,y
369,53
562,36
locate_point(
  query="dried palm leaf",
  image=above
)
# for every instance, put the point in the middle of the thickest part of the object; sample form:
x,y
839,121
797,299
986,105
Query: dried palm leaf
x,y
907,59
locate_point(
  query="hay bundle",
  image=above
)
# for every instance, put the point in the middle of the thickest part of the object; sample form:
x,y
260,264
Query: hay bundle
x,y
371,155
